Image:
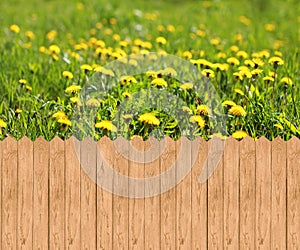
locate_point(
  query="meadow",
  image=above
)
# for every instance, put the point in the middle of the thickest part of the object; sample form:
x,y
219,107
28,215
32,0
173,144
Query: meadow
x,y
50,51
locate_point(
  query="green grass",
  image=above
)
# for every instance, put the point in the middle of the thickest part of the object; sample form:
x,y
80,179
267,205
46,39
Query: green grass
x,y
272,108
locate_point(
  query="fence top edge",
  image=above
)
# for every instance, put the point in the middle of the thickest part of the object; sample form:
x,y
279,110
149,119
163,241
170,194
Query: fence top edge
x,y
167,138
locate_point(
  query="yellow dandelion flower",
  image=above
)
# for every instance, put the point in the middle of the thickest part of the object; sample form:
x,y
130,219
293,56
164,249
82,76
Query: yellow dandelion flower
x,y
198,119
233,61
228,103
268,79
245,20
73,89
75,99
54,49
151,73
28,88
51,34
168,72
257,62
22,81
256,72
278,53
29,34
161,40
237,110
67,74
159,82
14,28
187,55
171,28
18,111
276,60
286,80
3,124
221,55
238,76
126,94
245,73
240,134
125,80
86,68
93,102
65,121
269,27
239,91
264,54
202,109
220,66
242,54
249,63
234,48
215,41
208,73
59,115
272,74
149,118
107,125
187,86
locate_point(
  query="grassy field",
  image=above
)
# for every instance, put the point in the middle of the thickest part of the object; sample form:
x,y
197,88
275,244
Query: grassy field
x,y
50,51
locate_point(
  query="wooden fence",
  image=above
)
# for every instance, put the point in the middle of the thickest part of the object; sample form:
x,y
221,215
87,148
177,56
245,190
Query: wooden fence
x,y
251,201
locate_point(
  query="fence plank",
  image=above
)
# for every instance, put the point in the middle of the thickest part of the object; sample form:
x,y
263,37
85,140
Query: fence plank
x,y
120,203
40,194
136,205
263,193
215,195
183,195
231,194
88,197
168,198
25,193
199,195
293,193
152,204
9,193
278,205
57,194
247,194
104,198
72,185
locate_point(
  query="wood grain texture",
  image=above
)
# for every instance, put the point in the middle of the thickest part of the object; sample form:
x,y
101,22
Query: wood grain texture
x,y
88,159
183,195
72,185
247,194
104,197
263,193
152,204
199,195
168,198
215,195
57,194
41,160
120,203
278,205
231,194
9,193
293,193
25,193
136,205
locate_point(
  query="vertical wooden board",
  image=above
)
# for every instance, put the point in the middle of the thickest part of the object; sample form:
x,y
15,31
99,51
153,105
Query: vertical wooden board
x,y
263,194
152,204
25,193
199,195
40,193
183,195
9,193
278,205
104,197
293,193
168,198
247,194
57,194
231,194
120,203
136,205
215,195
72,185
88,160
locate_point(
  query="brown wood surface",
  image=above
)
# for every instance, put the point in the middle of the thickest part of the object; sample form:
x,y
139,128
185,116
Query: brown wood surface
x,y
88,216
41,158
9,193
25,193
72,185
263,187
136,205
293,193
57,194
247,194
278,205
231,194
